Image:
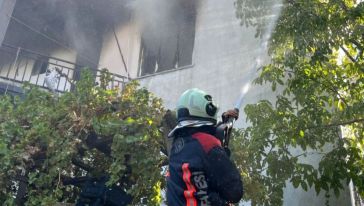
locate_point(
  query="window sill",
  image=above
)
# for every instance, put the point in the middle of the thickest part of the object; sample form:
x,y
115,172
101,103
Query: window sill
x,y
164,72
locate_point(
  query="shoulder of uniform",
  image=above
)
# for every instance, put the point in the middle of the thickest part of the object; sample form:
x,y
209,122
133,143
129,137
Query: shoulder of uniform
x,y
207,141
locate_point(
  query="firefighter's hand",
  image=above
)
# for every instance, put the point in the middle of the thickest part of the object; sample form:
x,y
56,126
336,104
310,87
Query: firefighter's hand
x,y
234,113
215,199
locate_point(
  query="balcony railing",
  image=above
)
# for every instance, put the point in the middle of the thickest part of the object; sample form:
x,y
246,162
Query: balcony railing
x,y
18,65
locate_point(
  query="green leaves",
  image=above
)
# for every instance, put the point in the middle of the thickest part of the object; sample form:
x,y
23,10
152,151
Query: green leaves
x,y
302,133
91,131
317,59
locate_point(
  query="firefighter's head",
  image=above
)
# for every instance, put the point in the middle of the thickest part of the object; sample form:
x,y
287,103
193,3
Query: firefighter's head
x,y
195,104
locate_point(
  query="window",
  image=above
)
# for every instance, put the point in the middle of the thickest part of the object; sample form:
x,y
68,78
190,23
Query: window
x,y
168,41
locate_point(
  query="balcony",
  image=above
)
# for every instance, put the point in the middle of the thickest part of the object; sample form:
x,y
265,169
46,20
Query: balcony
x,y
18,65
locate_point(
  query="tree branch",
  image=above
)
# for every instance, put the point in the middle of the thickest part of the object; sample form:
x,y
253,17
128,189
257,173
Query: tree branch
x,y
357,44
348,54
22,189
331,88
102,144
359,47
360,55
310,153
336,124
81,164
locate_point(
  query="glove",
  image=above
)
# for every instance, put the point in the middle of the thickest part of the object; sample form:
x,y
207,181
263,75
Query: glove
x,y
230,113
216,200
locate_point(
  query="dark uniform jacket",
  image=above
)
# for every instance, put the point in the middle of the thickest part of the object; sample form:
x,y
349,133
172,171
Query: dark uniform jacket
x,y
201,173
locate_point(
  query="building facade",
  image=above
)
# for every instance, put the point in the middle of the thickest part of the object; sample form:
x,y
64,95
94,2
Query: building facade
x,y
168,45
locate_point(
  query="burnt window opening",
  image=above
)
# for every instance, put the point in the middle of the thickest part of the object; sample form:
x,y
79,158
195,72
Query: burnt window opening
x,y
40,66
169,44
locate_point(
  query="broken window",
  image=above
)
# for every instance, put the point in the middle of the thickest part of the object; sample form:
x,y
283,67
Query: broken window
x,y
167,41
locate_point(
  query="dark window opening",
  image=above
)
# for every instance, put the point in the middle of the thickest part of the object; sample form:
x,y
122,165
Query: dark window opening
x,y
169,44
40,66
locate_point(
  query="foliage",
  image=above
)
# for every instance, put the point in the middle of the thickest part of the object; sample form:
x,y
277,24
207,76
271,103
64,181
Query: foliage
x,y
45,139
317,72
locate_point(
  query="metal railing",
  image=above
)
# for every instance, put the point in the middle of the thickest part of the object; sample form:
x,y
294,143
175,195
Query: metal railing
x,y
18,65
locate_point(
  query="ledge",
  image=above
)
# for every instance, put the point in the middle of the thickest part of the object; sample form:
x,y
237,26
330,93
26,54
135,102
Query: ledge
x,y
164,72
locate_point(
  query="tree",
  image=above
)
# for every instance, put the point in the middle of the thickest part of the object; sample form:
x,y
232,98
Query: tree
x,y
93,131
317,64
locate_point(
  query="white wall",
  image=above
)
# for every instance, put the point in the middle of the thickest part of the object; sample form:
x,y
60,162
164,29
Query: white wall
x,y
129,41
223,59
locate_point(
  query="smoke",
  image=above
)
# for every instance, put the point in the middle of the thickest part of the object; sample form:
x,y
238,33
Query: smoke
x,y
76,25
162,20
73,29
155,19
159,20
80,25
167,33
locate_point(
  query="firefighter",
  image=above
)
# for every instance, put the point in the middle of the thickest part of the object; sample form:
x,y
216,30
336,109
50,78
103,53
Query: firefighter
x,y
200,170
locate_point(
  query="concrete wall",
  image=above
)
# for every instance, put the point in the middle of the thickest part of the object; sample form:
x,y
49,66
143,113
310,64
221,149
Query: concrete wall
x,y
224,56
6,10
128,37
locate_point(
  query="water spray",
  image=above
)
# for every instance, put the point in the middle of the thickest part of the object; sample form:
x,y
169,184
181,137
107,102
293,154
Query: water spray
x,y
224,130
263,47
245,89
